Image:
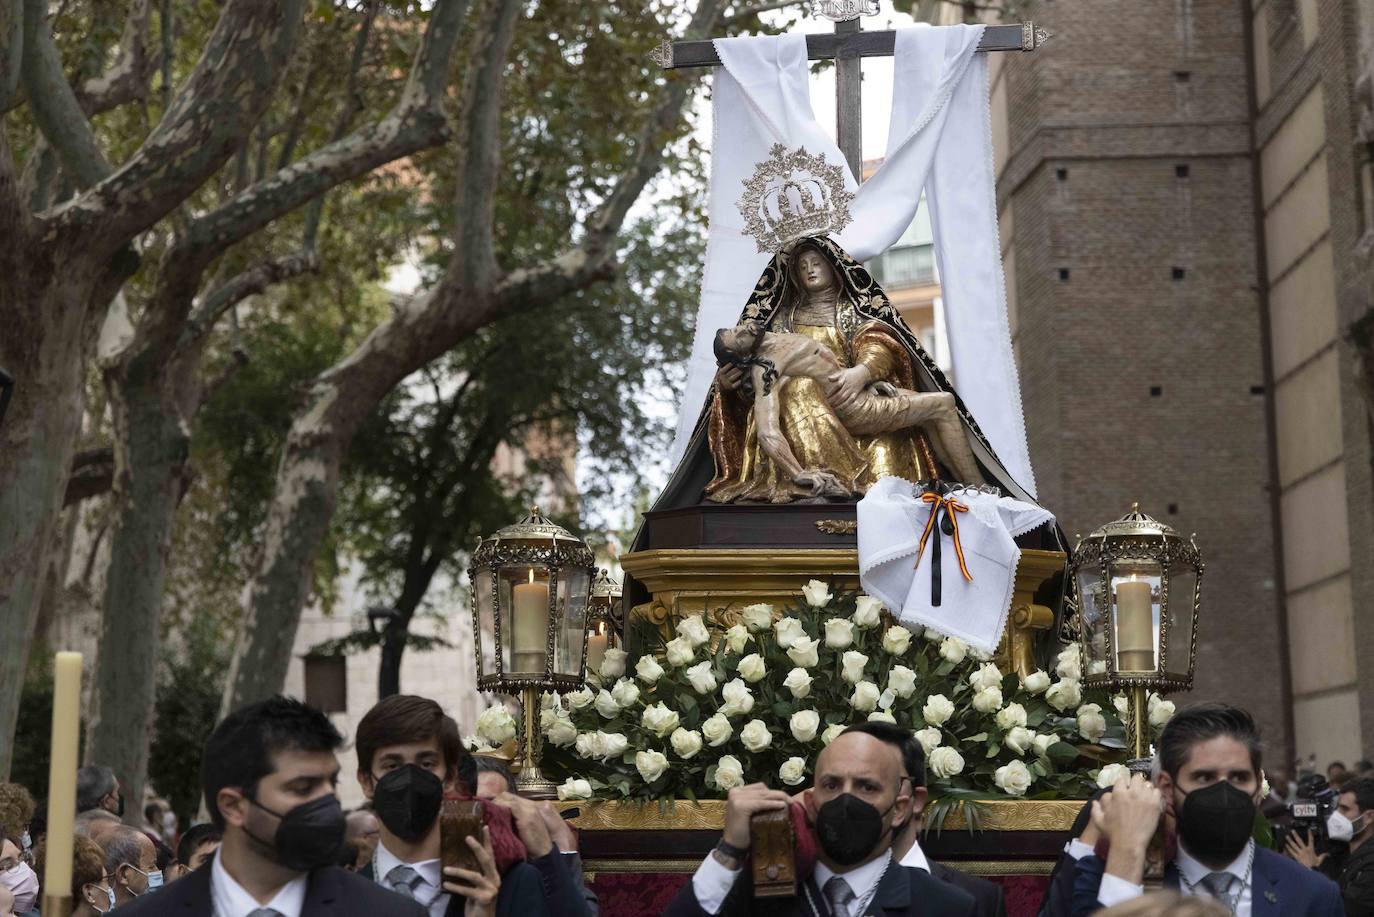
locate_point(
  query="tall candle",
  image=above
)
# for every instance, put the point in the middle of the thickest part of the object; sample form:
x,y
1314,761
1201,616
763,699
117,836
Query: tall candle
x,y
530,621
66,720
596,649
1134,627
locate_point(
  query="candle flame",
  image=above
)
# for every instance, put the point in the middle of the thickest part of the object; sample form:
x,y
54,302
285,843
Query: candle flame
x,y
532,575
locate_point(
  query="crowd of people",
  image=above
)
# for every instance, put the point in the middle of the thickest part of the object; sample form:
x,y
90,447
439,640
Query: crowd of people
x,y
278,842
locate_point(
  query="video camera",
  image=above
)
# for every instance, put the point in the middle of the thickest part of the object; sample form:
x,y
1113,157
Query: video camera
x,y
1307,814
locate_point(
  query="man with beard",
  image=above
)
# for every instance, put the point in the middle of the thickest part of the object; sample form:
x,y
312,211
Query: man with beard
x,y
269,773
862,798
1208,788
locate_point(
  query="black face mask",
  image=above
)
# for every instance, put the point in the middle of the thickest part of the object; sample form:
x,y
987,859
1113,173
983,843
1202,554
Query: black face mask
x,y
1216,821
407,801
849,828
309,836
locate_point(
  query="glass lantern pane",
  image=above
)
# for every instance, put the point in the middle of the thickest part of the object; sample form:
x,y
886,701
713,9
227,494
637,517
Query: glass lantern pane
x,y
573,587
1135,594
524,619
1182,610
1091,607
486,625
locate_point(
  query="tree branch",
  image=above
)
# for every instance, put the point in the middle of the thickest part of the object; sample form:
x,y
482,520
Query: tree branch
x,y
54,105
748,12
248,283
11,50
92,475
127,79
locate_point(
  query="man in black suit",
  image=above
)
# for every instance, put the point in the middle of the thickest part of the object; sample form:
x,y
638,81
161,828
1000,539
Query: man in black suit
x,y
906,849
269,773
860,800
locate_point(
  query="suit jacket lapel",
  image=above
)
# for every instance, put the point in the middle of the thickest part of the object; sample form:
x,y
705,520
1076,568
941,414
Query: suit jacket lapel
x,y
1264,888
894,892
320,893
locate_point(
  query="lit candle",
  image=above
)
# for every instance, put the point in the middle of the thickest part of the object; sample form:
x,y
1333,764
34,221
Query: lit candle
x,y
66,720
1135,646
596,648
530,614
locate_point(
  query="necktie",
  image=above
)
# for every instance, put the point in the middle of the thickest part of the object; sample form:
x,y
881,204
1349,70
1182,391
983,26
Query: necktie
x,y
1224,887
403,880
839,895
264,912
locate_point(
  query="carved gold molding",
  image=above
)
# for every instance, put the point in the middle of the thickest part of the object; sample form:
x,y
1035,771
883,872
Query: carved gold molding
x,y
838,526
709,815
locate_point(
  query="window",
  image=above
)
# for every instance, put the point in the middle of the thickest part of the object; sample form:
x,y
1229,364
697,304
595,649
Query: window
x,y
909,265
326,683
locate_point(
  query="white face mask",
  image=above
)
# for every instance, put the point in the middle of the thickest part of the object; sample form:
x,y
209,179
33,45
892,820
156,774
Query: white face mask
x,y
1338,827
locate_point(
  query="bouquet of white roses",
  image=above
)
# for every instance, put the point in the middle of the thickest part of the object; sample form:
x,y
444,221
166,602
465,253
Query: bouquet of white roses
x,y
757,702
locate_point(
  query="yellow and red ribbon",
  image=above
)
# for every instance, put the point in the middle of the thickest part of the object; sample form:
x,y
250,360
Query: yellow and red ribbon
x,y
952,508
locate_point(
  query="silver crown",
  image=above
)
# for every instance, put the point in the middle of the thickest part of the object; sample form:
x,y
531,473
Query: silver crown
x,y
792,195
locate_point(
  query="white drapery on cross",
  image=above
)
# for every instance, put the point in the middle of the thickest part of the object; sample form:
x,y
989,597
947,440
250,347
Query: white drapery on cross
x,y
939,141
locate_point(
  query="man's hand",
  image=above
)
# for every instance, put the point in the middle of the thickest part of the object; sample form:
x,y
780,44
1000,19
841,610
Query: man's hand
x,y
743,803
730,377
529,823
848,384
884,389
559,829
1304,850
479,888
1128,817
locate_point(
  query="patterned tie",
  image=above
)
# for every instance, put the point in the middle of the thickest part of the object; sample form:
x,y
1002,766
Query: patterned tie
x,y
1224,887
403,880
839,894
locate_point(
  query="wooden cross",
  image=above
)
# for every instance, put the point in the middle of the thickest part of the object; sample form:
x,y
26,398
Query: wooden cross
x,y
846,46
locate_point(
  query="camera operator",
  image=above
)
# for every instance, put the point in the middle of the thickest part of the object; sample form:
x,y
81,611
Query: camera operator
x,y
1350,863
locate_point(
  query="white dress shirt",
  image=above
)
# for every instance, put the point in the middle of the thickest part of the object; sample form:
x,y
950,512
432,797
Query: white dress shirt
x,y
916,858
712,881
1114,889
429,892
862,881
230,899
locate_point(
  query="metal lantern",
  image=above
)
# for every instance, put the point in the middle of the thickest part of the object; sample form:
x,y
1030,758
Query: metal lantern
x,y
603,619
1139,589
530,586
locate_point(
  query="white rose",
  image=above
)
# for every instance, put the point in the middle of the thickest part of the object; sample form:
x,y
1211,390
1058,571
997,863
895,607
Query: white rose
x,y
953,650
1091,724
1018,739
496,725
687,742
1161,714
945,762
839,633
561,732
865,696
758,617
738,698
866,610
736,637
752,668
802,652
987,676
937,710
987,700
579,698
588,745
1036,682
1110,774
606,705
884,716
831,732
729,773
1014,778
755,736
897,640
1064,694
613,663
717,730
651,764
702,679
1011,715
798,682
930,738
659,720
793,771
625,692
933,635
901,681
648,670
1069,664
788,631
816,593
693,630
1042,742
679,652
613,744
804,724
1121,704
573,788
852,663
